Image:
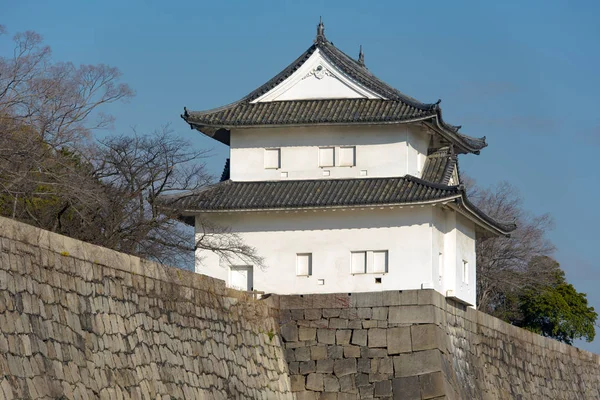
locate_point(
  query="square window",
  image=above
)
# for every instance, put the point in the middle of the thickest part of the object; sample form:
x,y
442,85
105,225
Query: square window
x,y
465,272
380,262
326,157
359,262
304,264
272,158
347,157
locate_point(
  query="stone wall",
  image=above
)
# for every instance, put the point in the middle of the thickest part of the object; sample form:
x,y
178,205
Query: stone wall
x,y
420,345
81,322
78,321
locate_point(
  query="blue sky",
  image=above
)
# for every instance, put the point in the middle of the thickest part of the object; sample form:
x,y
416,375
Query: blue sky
x,y
524,74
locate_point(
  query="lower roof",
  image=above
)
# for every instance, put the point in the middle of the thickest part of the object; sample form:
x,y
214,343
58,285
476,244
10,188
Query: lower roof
x,y
230,196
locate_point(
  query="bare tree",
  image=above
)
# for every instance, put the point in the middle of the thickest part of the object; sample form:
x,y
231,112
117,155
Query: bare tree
x,y
47,111
142,172
505,264
59,101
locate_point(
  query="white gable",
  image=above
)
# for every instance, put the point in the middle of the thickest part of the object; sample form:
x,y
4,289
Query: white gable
x,y
317,78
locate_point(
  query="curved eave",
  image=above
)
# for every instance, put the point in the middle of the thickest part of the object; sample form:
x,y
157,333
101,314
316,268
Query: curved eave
x,y
489,224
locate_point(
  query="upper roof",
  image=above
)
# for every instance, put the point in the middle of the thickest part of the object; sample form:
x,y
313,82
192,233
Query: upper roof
x,y
231,196
363,99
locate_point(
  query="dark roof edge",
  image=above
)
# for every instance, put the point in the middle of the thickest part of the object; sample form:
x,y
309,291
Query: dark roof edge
x,y
500,228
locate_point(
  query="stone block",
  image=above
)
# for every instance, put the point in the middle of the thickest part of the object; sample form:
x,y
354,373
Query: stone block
x,y
426,337
347,384
318,323
338,323
302,354
406,388
355,324
318,352
432,385
325,366
380,313
297,314
418,363
364,313
331,312
293,367
408,297
361,380
398,340
369,324
307,367
359,337
347,396
344,367
349,313
328,396
383,389
366,392
335,352
294,302
307,333
297,383
430,296
331,383
369,352
306,395
289,332
412,314
377,337
312,313
351,351
326,336
382,366
391,298
333,300
364,365
343,336
368,299
314,382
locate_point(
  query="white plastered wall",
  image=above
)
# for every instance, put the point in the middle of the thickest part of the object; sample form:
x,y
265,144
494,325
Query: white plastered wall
x,y
412,237
330,236
381,151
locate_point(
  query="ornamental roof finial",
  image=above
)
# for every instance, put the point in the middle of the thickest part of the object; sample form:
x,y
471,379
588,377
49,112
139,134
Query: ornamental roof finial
x,y
320,32
361,57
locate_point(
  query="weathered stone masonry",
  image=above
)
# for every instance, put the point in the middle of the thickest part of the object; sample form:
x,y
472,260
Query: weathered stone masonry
x,y
420,345
78,321
81,322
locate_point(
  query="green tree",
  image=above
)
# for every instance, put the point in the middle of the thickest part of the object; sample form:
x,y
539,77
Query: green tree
x,y
558,311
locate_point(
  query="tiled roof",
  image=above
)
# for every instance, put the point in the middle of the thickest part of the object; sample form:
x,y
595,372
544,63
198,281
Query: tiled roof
x,y
439,166
325,193
397,108
316,193
226,171
299,112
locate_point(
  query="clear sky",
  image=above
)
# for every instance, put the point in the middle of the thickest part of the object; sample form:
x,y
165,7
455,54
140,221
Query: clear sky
x,y
524,74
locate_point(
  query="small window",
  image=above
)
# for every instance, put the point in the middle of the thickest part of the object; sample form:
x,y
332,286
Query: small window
x,y
380,262
272,158
347,156
326,157
440,265
359,262
304,264
370,262
465,271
